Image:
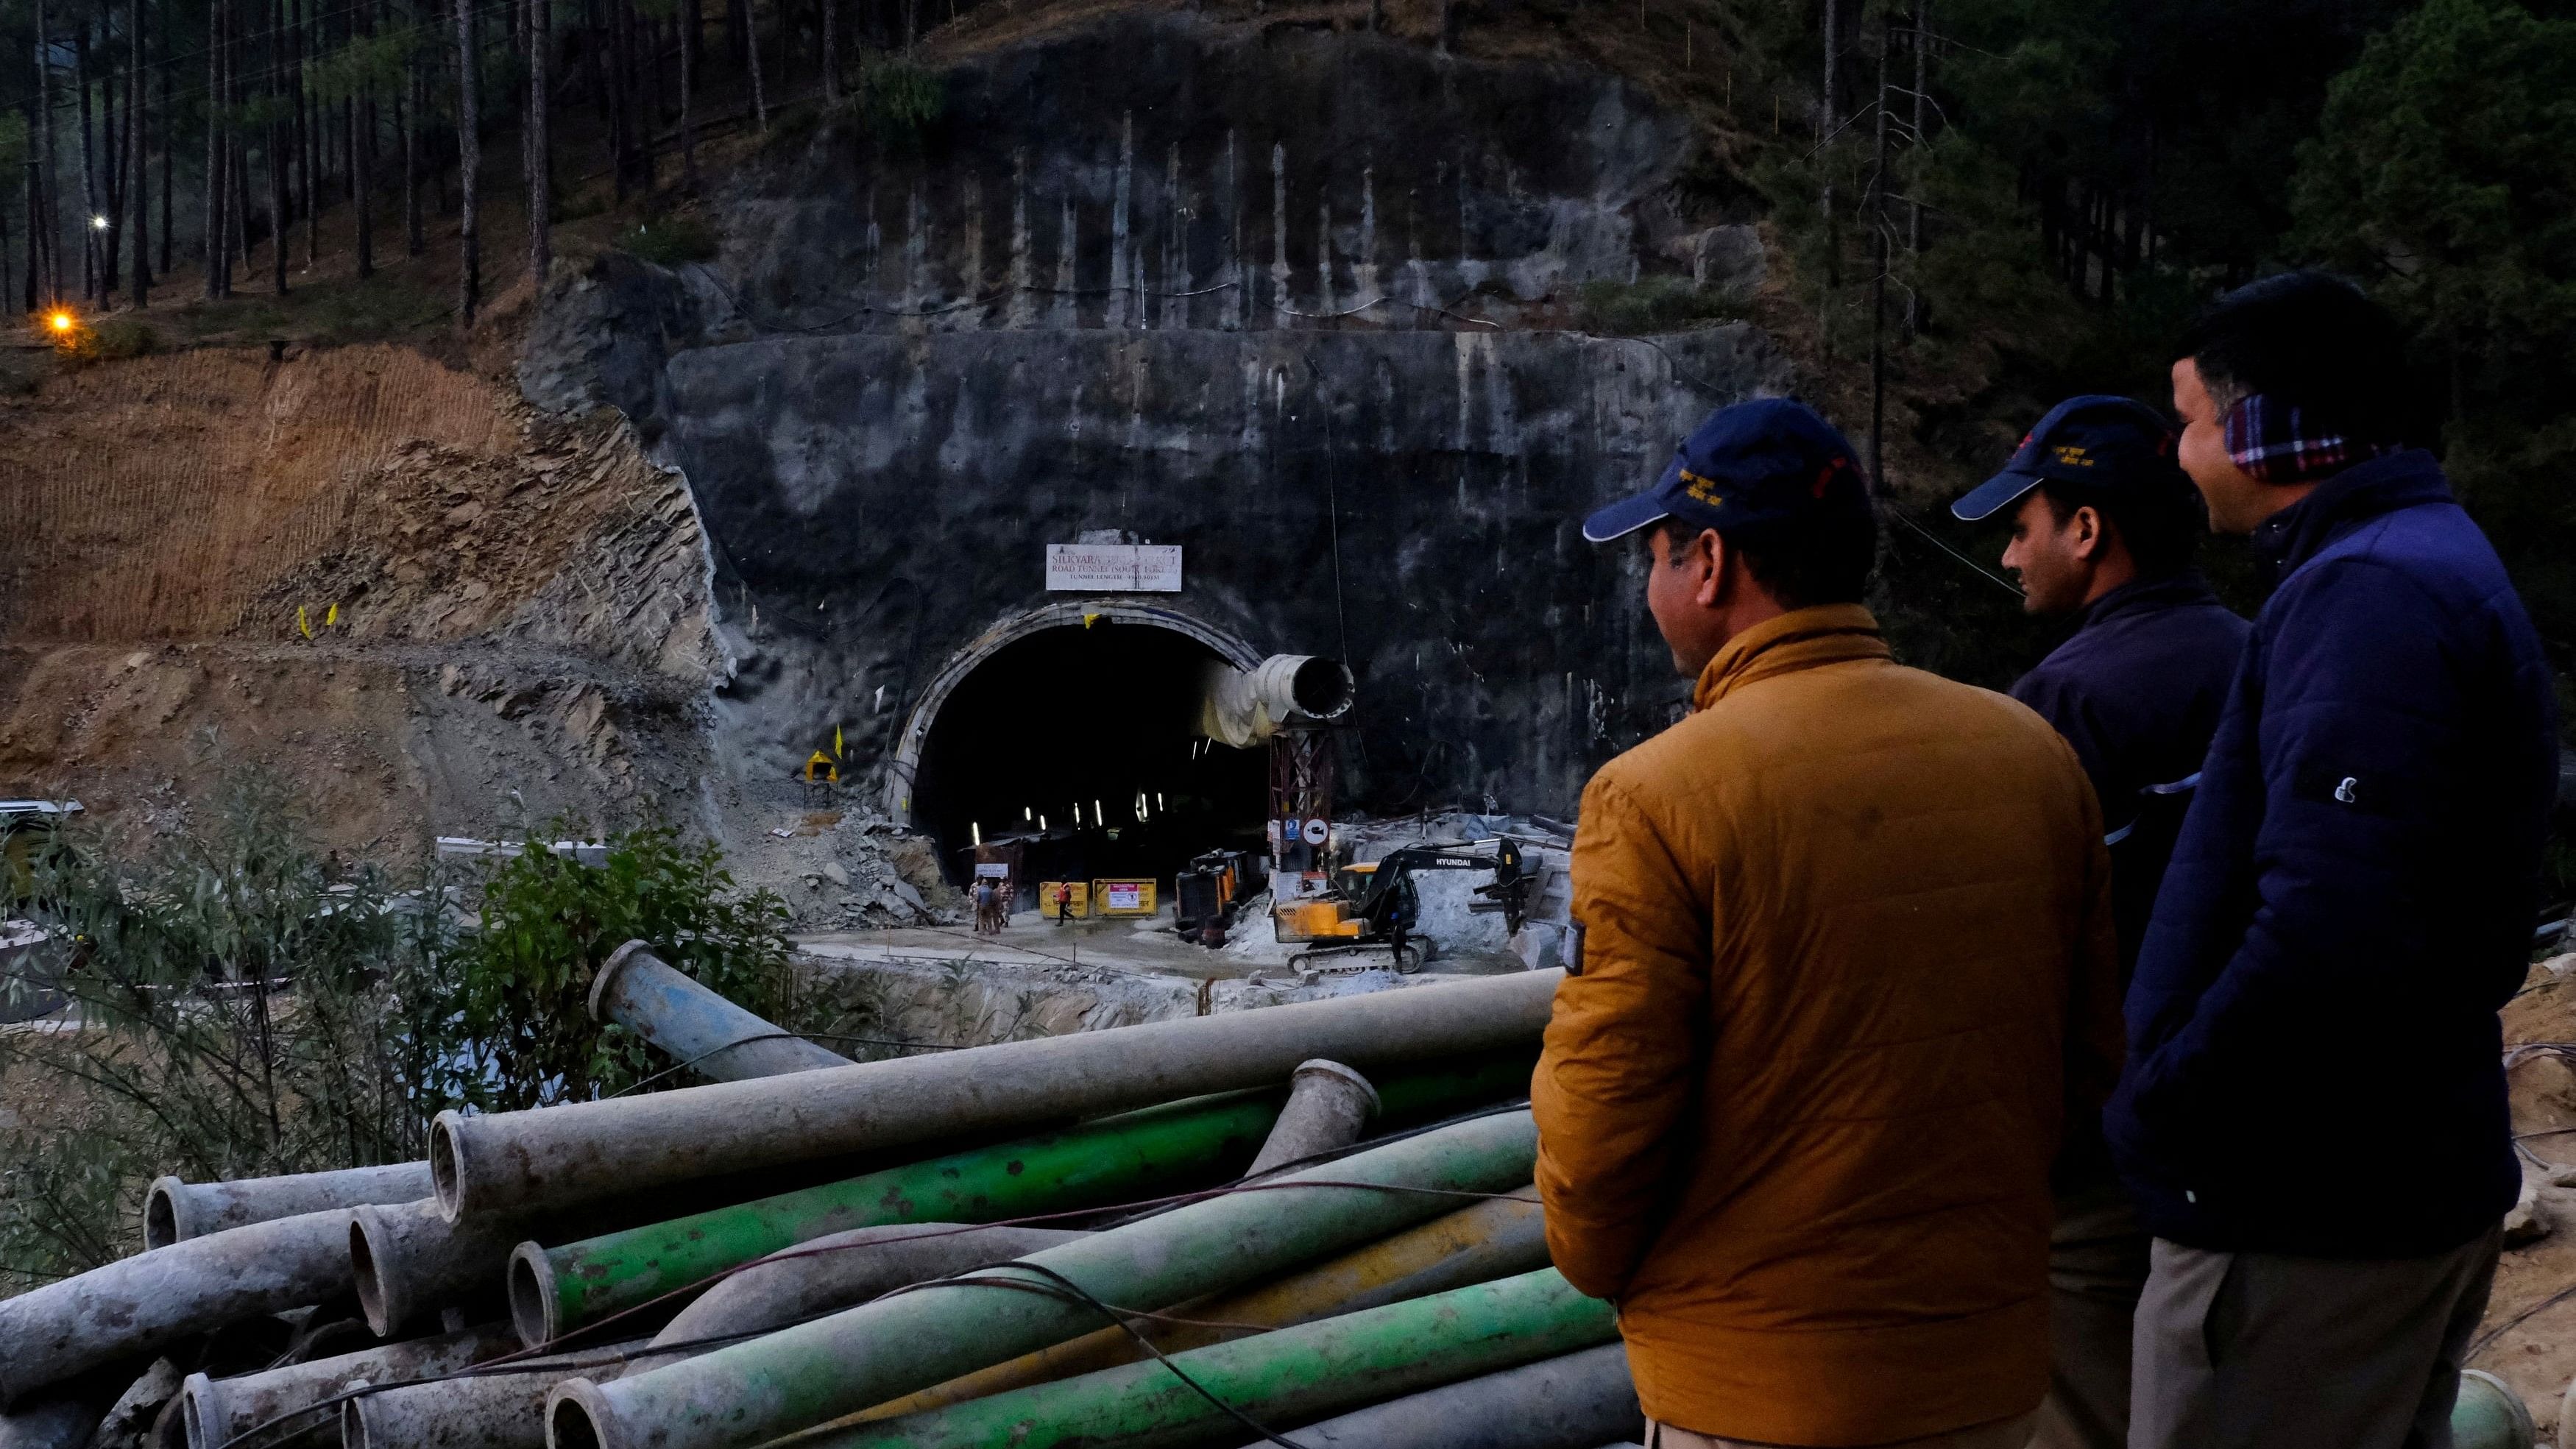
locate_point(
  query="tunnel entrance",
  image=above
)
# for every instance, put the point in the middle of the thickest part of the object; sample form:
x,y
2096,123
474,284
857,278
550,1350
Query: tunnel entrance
x,y
1082,743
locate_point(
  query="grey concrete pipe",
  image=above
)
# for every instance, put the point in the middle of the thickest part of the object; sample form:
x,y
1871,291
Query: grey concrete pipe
x,y
688,1023
1329,1105
583,1151
1246,706
175,1211
491,1410
410,1261
842,1270
213,1411
1575,1402
140,1304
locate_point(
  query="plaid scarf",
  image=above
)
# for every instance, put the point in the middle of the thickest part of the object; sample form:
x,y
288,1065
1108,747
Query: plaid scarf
x,y
2270,440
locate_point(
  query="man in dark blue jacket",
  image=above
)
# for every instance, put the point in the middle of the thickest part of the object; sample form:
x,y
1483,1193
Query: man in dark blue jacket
x,y
2103,523
2313,1118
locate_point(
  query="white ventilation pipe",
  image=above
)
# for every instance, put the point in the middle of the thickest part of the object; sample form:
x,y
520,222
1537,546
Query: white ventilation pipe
x,y
1246,706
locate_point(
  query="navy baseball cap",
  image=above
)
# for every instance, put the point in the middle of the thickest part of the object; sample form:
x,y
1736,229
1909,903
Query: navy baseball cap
x,y
1752,463
2098,442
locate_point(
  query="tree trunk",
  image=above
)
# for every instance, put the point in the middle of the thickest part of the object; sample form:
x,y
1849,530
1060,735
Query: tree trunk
x,y
760,98
362,165
540,149
169,143
832,51
281,74
407,116
1825,113
469,167
311,142
216,266
688,84
649,58
140,278
111,136
89,230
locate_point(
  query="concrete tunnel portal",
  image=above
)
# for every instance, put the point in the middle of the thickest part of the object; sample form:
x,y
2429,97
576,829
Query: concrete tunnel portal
x,y
1093,742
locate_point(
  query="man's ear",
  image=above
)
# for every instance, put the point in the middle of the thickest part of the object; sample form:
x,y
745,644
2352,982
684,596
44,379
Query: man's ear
x,y
1716,562
2092,538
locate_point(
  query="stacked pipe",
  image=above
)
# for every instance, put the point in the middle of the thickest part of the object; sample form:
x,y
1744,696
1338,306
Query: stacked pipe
x,y
1313,1218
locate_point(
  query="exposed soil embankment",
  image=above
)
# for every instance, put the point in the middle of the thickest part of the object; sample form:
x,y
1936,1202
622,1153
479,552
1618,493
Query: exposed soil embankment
x,y
375,574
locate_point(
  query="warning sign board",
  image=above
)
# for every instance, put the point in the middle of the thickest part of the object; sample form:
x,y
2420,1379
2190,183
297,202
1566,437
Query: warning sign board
x,y
1113,568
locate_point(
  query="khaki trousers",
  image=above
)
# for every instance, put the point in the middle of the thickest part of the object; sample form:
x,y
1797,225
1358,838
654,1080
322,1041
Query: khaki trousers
x,y
2001,1434
2097,1268
2264,1351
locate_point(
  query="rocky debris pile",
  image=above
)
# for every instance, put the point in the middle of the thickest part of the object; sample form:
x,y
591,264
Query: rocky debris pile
x,y
844,867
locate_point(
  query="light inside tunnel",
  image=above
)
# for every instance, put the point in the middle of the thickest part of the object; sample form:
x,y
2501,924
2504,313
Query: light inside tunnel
x,y
1067,720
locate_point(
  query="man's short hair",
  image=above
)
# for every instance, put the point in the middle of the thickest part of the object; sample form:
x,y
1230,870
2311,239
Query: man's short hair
x,y
2160,529
2314,342
1824,557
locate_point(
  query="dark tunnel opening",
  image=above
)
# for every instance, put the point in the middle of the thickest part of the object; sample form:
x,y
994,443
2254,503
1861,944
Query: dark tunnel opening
x,y
1083,745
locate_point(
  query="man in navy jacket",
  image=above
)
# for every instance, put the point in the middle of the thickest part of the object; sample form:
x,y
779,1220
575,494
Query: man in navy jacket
x,y
2102,528
2313,1118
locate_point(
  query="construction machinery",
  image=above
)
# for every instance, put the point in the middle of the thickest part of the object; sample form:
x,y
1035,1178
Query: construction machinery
x,y
1375,906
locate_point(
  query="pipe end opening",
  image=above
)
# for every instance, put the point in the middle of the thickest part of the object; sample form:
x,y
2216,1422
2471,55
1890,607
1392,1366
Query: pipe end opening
x,y
447,1166
1322,688
532,1295
197,1412
353,1424
161,1213
365,1265
569,1424
603,981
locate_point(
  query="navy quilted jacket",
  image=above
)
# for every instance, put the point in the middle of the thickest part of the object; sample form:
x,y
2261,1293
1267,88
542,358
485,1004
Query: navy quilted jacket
x,y
2314,1055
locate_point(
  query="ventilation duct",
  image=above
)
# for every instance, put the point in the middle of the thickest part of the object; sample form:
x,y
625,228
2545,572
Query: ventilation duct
x,y
1243,707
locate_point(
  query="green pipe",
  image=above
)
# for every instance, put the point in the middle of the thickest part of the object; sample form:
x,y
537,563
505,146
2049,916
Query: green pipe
x,y
2489,1415
1281,1378
1114,1159
799,1377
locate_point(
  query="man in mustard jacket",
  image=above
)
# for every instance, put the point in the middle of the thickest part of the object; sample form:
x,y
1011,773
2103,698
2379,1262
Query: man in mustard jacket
x,y
1847,962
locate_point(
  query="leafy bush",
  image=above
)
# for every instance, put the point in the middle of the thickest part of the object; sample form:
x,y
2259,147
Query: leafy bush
x,y
670,240
902,99
547,925
1651,304
244,1005
106,340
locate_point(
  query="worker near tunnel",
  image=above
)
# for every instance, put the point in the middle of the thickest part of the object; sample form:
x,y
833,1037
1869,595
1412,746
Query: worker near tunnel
x,y
2103,523
1847,957
2349,904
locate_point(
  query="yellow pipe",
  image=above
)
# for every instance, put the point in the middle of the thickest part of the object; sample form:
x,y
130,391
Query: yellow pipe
x,y
1492,1239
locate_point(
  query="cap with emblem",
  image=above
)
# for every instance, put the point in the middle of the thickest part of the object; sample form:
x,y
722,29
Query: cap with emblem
x,y
2113,444
1750,464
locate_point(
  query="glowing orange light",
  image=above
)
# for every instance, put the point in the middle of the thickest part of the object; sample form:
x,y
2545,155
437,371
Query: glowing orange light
x,y
60,321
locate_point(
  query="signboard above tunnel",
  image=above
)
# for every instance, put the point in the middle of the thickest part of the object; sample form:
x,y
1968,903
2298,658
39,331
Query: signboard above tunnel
x,y
1113,568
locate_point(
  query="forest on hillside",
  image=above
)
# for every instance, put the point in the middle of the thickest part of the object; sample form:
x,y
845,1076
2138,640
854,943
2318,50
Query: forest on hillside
x,y
1984,204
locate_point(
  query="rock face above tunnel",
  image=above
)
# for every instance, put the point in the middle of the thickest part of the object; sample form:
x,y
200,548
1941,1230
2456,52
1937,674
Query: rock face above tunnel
x,y
1288,299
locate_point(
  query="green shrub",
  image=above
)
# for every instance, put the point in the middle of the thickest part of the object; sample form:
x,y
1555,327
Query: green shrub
x,y
547,925
1651,304
670,240
249,1006
106,340
902,99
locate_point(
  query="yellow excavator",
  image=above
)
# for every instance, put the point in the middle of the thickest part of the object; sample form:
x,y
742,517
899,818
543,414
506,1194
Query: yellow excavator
x,y
1376,907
